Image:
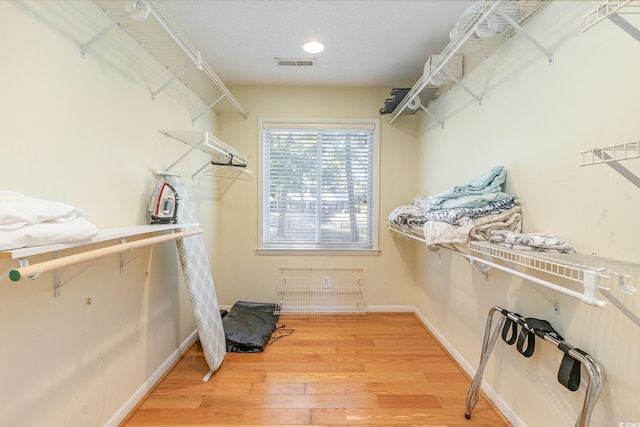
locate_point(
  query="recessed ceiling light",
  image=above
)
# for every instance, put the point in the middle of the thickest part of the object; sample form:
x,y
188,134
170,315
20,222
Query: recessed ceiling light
x,y
313,47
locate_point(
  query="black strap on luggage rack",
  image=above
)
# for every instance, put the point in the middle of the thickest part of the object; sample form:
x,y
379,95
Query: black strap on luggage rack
x,y
569,372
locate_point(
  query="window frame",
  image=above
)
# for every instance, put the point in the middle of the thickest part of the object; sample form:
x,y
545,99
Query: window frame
x,y
319,123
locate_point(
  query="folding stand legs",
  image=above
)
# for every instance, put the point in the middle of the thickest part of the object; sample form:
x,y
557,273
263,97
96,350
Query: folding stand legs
x,y
487,348
594,371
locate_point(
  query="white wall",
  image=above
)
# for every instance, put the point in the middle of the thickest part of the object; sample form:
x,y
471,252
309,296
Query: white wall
x,y
535,118
245,275
85,132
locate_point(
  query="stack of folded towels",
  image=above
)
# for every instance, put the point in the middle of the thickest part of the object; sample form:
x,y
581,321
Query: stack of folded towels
x,y
26,221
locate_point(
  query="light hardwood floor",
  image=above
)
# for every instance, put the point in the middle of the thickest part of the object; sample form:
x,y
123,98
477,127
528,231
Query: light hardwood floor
x,y
374,370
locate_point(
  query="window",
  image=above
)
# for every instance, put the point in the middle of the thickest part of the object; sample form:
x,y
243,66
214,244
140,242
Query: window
x,y
319,184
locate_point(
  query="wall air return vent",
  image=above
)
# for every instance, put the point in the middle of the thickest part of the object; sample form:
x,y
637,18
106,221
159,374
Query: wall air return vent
x,y
295,62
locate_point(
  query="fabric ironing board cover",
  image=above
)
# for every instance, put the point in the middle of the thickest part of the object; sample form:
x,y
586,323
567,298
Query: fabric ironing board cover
x,y
199,282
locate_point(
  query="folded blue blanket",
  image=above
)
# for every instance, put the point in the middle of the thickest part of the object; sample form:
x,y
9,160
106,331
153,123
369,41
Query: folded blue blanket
x,y
476,192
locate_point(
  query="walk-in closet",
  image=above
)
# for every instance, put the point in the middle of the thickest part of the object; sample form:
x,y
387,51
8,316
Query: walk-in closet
x,y
428,218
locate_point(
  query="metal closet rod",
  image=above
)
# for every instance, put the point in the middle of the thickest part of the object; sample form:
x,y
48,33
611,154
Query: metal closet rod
x,y
588,296
33,271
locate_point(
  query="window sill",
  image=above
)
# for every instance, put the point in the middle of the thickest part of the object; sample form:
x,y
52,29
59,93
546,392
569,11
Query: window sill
x,y
319,252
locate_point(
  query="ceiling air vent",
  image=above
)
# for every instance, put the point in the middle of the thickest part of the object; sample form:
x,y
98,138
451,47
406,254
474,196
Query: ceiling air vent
x,y
295,62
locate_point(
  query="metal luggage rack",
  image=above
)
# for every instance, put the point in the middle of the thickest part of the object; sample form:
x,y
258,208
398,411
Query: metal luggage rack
x,y
591,365
597,275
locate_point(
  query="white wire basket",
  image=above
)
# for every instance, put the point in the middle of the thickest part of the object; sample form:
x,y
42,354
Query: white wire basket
x,y
324,292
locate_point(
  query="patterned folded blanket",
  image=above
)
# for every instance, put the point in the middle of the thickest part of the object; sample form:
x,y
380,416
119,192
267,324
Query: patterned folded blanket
x,y
408,216
416,215
439,232
459,216
532,242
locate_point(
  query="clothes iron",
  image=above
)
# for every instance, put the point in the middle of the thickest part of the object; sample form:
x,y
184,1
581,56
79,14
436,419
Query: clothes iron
x,y
163,207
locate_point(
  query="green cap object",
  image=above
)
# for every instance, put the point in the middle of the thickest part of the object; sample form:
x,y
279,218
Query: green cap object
x,y
14,275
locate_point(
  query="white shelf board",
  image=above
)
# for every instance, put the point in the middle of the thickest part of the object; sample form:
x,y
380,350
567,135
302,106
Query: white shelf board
x,y
105,234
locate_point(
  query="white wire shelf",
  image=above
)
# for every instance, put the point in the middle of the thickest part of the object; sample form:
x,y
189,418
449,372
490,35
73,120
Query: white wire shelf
x,y
164,40
604,10
596,274
566,266
222,155
611,153
507,16
320,291
613,10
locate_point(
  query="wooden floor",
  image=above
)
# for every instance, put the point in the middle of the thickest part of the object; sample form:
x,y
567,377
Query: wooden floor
x,y
374,370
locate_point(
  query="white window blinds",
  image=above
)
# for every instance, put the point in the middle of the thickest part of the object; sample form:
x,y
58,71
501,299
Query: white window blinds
x,y
318,186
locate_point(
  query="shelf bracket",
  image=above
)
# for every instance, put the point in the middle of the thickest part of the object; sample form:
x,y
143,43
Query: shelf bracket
x,y
415,103
201,169
465,87
480,267
121,255
551,300
173,79
615,301
116,22
618,167
209,107
526,35
625,25
193,148
56,277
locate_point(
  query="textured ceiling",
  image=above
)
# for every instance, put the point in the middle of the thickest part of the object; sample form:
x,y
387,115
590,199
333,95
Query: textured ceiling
x,y
368,42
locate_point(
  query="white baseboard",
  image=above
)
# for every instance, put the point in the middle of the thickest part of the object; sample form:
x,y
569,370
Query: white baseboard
x,y
391,309
495,398
151,381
